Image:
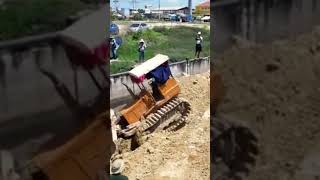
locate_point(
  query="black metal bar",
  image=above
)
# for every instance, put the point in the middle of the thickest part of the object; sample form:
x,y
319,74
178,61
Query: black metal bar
x,y
143,86
95,81
76,86
29,41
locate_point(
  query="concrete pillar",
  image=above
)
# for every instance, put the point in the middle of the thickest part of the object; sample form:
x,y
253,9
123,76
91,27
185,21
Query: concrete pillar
x,y
244,20
252,20
3,86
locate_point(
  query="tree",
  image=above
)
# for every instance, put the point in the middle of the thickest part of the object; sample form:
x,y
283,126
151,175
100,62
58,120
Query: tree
x,y
141,11
198,11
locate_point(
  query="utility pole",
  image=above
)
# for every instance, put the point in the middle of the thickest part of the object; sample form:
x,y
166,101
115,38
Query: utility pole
x,y
159,10
190,10
134,2
116,4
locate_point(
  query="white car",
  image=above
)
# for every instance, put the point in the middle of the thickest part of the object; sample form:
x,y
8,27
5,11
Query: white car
x,y
205,19
135,27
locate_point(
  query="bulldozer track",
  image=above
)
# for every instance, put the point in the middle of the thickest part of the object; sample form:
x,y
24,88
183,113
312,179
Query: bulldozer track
x,y
169,117
235,149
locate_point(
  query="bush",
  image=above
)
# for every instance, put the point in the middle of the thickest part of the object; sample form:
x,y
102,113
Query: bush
x,y
136,35
137,17
160,29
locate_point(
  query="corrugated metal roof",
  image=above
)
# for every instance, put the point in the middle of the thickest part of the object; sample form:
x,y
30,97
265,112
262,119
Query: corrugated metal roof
x,y
204,4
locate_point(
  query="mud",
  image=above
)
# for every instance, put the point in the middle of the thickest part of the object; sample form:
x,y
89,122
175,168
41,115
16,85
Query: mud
x,y
183,154
275,88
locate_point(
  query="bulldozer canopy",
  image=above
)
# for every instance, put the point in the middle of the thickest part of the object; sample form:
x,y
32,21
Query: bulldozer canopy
x,y
149,65
160,74
86,40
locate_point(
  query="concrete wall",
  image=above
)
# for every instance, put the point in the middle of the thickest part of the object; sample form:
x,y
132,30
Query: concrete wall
x,y
262,21
24,90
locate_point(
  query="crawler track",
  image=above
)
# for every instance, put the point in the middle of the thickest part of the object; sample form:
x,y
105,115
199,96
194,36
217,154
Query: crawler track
x,y
171,117
234,149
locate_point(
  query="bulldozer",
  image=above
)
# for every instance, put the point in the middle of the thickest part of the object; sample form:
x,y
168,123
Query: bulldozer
x,y
156,107
234,145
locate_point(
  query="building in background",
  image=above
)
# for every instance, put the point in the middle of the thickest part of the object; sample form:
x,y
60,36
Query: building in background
x,y
170,10
203,9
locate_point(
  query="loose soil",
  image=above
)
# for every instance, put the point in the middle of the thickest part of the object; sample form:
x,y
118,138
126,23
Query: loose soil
x,y
183,154
275,88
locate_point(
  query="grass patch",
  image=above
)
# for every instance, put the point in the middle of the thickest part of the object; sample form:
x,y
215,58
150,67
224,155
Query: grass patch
x,y
178,43
28,17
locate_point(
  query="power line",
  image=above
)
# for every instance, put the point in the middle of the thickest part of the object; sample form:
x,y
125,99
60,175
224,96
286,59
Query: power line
x,y
134,2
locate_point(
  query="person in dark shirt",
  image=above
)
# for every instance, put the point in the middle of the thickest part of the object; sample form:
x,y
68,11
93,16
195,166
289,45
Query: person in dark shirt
x,y
114,47
199,40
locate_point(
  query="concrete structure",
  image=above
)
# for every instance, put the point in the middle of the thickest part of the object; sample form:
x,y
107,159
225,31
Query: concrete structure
x,y
261,21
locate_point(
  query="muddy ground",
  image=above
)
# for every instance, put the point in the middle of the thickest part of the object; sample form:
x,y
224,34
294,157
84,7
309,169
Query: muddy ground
x,y
275,89
183,154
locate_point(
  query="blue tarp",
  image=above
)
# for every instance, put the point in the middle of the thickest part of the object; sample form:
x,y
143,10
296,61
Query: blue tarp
x,y
160,74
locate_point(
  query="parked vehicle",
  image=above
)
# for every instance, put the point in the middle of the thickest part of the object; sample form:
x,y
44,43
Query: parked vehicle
x,y
113,29
135,27
205,19
120,16
182,17
166,17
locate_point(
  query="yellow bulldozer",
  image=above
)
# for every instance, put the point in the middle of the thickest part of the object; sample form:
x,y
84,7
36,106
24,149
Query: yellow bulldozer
x,y
156,107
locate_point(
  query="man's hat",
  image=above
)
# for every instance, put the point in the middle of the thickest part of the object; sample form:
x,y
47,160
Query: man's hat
x,y
117,166
141,40
199,33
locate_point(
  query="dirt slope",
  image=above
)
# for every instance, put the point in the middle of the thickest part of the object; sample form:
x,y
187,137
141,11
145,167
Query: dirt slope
x,y
183,154
275,88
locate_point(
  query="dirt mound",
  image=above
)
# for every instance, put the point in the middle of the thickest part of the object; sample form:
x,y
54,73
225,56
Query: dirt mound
x,y
184,154
275,89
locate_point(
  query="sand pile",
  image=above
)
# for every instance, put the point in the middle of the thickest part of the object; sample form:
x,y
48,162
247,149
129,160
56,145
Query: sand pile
x,y
183,154
275,88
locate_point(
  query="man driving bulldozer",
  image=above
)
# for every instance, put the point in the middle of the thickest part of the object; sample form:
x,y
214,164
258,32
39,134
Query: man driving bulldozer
x,y
158,77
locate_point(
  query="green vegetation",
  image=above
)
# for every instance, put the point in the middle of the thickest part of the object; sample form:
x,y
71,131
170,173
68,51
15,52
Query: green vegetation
x,y
178,43
28,17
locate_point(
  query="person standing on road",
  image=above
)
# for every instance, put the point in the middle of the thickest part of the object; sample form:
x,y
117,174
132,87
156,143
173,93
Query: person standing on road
x,y
199,40
141,49
114,47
